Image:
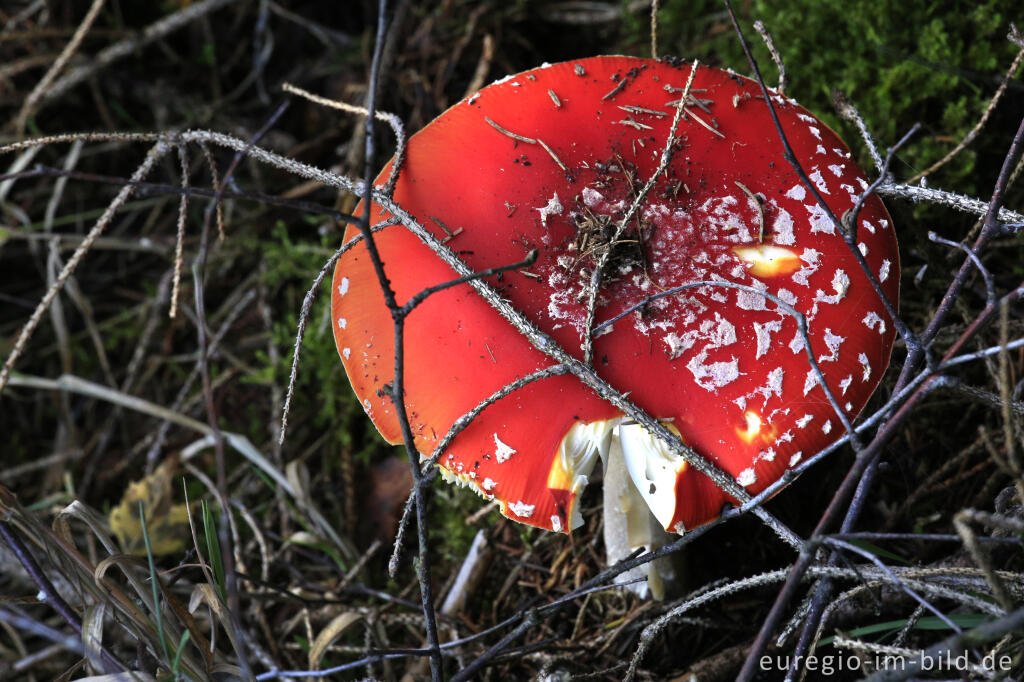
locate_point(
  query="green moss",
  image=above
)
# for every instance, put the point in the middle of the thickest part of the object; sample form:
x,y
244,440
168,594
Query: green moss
x,y
322,392
453,504
899,61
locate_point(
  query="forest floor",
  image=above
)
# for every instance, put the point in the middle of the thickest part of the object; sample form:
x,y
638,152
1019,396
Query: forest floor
x,y
151,364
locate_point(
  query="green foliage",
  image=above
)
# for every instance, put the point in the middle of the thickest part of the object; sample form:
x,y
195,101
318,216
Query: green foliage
x,y
208,55
890,628
154,582
213,550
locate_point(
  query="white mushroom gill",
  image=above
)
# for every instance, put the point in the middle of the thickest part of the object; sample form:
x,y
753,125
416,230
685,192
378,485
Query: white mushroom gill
x,y
653,469
639,491
577,455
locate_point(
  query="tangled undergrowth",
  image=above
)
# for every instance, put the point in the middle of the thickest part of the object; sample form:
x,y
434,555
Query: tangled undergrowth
x,y
153,520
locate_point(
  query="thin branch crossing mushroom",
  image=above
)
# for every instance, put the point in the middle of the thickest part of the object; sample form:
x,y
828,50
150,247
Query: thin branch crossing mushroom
x,y
553,159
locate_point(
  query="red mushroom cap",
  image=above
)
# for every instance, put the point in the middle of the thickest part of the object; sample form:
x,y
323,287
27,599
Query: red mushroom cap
x,y
725,368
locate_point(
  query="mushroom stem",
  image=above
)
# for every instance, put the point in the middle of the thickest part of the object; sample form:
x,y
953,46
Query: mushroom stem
x,y
629,525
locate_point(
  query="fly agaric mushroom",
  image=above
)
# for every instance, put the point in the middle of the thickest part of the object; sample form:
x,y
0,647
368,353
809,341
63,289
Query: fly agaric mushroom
x,y
551,159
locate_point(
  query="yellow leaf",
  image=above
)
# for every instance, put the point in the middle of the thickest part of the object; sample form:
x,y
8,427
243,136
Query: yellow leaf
x,y
166,523
330,633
